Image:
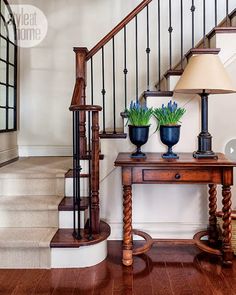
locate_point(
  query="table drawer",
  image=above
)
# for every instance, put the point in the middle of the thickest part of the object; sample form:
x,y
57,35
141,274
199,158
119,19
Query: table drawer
x,y
181,175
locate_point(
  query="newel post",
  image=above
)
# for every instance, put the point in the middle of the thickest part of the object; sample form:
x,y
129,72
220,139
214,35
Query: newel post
x,y
81,74
95,174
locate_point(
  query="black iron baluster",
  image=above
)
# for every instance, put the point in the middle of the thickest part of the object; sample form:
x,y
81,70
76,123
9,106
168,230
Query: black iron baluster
x,y
170,30
204,23
159,44
181,34
114,85
136,45
216,14
74,170
227,13
90,176
103,92
193,8
148,50
125,66
92,97
76,177
78,169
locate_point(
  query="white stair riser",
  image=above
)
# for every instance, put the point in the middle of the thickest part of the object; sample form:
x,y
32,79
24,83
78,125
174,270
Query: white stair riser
x,y
66,219
172,81
40,187
78,257
227,43
233,21
84,186
22,258
156,102
36,219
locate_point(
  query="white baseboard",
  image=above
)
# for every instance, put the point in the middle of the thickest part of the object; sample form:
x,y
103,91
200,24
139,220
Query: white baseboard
x,y
8,155
45,151
160,230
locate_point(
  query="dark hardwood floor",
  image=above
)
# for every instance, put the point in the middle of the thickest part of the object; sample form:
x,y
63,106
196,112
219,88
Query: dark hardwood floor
x,y
166,269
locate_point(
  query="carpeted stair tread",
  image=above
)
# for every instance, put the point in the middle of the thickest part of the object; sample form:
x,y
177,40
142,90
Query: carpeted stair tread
x,y
37,167
29,203
26,237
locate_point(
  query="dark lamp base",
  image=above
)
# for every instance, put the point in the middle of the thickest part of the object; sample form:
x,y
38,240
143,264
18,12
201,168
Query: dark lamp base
x,y
138,155
205,155
170,156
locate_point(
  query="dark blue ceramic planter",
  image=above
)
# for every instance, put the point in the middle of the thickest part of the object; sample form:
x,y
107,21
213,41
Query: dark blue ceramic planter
x,y
138,136
170,136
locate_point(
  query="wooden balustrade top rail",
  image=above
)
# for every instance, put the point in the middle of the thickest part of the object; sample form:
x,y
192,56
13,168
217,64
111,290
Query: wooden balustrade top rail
x,y
118,28
88,108
78,91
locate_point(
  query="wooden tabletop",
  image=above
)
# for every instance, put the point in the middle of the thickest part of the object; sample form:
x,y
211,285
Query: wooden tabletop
x,y
185,159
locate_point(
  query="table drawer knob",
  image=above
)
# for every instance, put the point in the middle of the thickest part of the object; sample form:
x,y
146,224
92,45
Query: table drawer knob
x,y
177,176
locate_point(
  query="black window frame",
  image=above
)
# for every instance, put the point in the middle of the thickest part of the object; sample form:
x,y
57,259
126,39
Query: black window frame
x,y
8,63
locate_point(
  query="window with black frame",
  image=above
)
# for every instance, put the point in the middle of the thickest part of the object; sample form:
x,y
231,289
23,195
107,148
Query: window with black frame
x,y
8,69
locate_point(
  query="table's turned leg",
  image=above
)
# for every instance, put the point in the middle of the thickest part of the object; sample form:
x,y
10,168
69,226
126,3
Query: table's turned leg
x,y
227,228
212,229
127,223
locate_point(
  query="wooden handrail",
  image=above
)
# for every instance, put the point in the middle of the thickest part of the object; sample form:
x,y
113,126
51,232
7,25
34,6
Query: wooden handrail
x,y
78,92
118,28
88,108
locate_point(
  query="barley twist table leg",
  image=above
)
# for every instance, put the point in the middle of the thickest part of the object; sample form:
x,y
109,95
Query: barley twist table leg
x,y
127,226
227,228
212,229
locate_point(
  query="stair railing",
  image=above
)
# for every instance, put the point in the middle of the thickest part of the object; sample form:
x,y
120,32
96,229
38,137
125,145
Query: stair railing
x,y
93,224
82,58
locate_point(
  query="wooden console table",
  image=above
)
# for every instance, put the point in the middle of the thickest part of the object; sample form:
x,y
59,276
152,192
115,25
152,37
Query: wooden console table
x,y
188,170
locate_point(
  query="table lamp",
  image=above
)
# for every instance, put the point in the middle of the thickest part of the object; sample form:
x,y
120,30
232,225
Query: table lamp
x,y
204,74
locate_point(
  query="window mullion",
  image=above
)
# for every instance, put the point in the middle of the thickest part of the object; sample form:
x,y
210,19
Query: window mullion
x,y
15,87
7,89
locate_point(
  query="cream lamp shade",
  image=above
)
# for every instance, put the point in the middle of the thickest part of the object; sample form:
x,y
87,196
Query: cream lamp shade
x,y
205,73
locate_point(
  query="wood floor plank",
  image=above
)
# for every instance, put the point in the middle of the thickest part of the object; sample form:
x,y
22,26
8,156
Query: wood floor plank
x,y
230,276
103,287
212,270
48,282
68,281
165,270
178,281
141,277
160,280
86,281
9,279
158,273
123,284
197,281
28,282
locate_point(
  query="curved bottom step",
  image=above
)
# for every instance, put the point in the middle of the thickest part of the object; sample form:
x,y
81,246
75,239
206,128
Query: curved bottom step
x,y
67,252
79,257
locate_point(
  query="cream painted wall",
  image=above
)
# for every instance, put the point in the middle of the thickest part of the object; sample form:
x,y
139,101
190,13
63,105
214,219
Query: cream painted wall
x,y
47,72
